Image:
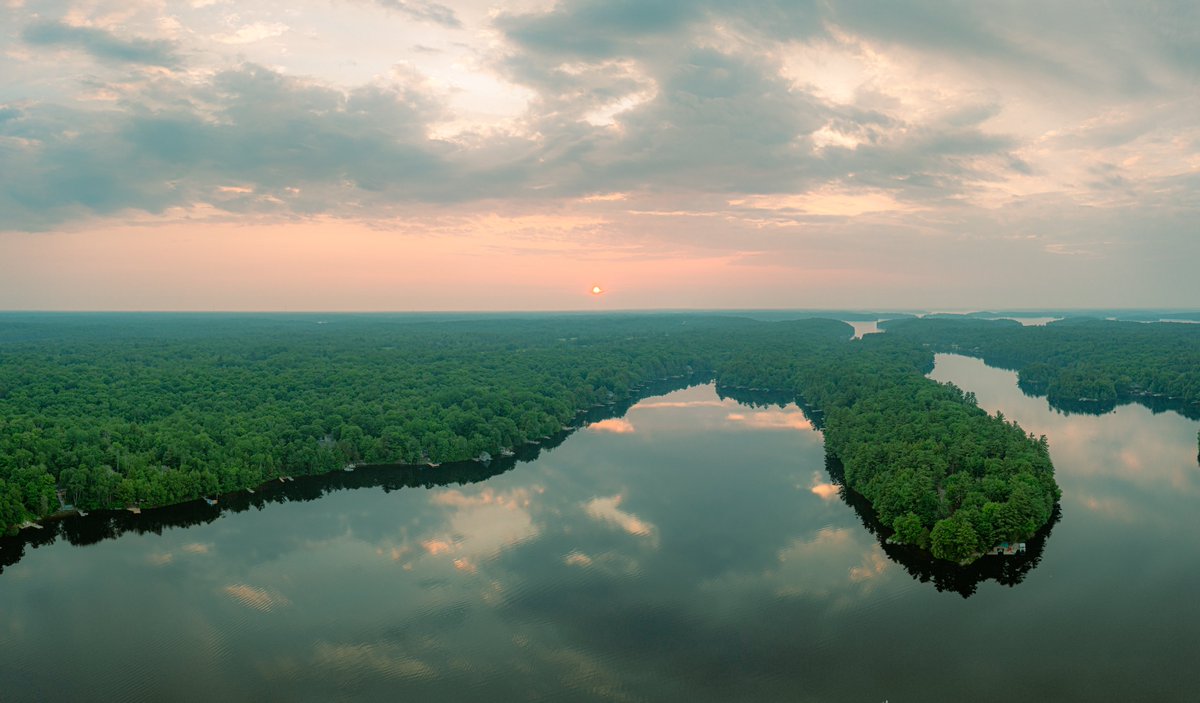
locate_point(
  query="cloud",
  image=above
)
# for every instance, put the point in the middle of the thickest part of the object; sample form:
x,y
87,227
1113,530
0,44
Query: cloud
x,y
598,28
273,136
300,147
102,44
669,97
249,33
698,120
425,11
807,137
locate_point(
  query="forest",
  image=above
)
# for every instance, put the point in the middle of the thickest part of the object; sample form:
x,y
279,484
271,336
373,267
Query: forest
x,y
115,410
1084,364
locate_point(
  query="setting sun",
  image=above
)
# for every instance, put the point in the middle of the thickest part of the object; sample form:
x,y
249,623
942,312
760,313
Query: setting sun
x,y
597,290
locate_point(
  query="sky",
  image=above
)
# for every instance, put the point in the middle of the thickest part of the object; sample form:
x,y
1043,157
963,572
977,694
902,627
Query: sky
x,y
476,155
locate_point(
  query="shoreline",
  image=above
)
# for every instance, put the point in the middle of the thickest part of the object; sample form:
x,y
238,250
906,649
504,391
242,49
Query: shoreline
x,y
506,458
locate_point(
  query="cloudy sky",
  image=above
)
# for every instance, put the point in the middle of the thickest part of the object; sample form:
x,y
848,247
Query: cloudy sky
x,y
473,155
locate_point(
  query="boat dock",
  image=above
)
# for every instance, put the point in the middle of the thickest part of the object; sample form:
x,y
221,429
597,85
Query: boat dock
x,y
1007,549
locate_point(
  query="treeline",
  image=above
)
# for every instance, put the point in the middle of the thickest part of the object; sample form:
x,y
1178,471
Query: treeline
x,y
117,410
1079,363
114,410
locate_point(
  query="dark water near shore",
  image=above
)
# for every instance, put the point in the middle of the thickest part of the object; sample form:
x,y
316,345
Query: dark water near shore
x,y
693,549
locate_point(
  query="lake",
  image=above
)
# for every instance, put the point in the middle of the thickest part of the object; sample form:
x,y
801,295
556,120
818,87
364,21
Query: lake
x,y
862,327
693,548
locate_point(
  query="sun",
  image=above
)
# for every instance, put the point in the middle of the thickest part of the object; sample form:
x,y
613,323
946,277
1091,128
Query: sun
x,y
597,290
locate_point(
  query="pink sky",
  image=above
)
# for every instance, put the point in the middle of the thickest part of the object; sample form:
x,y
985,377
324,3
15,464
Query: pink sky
x,y
336,265
375,155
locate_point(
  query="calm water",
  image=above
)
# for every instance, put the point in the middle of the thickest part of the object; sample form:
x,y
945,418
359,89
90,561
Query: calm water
x,y
862,327
693,549
1031,321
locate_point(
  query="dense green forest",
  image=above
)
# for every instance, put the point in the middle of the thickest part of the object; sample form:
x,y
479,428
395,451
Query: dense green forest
x,y
104,411
1133,314
938,470
1079,363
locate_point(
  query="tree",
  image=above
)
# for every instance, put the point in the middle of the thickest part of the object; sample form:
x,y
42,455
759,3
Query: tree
x,y
954,539
910,530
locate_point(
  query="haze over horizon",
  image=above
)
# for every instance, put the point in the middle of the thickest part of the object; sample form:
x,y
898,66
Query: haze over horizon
x,y
394,155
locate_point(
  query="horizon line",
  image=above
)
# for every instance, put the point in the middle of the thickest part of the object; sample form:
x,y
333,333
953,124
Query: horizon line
x,y
913,310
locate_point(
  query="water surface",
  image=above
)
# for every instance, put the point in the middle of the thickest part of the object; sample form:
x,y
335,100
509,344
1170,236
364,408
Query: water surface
x,y
862,327
1030,321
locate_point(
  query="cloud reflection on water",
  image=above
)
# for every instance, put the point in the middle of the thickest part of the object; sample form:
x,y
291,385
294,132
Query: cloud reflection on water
x,y
823,488
825,564
471,527
615,425
375,658
606,509
261,599
772,420
682,404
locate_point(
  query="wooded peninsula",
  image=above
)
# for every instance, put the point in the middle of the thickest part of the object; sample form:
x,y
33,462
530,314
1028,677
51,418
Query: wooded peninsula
x,y
142,410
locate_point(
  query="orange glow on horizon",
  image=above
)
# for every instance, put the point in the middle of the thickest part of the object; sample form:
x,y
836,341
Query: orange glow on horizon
x,y
333,265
